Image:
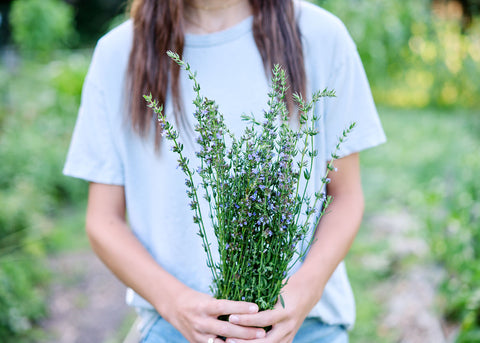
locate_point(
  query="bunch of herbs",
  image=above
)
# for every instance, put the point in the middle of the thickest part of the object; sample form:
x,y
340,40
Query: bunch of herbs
x,y
259,206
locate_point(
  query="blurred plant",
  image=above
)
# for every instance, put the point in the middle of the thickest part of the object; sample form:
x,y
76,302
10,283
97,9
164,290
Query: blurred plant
x,y
41,26
94,18
21,269
38,104
455,234
22,301
413,57
444,194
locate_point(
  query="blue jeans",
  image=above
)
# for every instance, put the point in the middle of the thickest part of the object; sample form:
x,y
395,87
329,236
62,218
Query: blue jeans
x,y
311,331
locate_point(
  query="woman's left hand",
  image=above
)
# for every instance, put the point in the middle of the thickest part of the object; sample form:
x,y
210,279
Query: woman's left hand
x,y
285,321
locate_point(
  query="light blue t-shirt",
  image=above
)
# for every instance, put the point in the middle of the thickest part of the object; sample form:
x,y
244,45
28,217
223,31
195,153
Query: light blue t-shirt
x,y
230,70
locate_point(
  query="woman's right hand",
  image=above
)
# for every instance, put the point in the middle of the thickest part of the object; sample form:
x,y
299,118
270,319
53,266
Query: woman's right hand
x,y
196,314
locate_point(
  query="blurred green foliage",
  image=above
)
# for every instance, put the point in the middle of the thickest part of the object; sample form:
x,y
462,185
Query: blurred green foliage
x,y
454,227
429,168
415,54
38,106
22,300
41,26
93,17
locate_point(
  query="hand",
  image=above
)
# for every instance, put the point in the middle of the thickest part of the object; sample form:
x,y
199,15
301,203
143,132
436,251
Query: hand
x,y
285,322
196,314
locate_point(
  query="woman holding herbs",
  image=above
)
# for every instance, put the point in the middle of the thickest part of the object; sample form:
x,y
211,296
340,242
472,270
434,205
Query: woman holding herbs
x,y
119,149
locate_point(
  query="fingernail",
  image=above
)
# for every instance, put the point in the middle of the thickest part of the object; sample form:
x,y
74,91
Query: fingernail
x,y
253,308
233,319
231,341
260,334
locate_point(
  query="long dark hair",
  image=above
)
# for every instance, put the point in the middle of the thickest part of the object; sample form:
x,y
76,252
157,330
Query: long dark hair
x,y
159,26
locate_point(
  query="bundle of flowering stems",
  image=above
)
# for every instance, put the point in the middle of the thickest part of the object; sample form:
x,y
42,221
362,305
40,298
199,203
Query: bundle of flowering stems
x,y
256,189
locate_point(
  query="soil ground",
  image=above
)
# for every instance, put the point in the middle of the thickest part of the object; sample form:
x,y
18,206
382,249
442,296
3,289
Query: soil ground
x,y
86,303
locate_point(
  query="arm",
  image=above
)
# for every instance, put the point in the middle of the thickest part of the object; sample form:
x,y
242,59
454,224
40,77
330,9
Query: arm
x,y
334,236
193,313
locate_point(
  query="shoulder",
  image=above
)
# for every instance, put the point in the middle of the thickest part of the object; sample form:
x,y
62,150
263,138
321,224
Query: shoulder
x,y
322,30
111,54
314,16
118,39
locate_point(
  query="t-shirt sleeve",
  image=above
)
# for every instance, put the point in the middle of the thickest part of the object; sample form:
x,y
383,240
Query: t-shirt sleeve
x,y
92,155
353,103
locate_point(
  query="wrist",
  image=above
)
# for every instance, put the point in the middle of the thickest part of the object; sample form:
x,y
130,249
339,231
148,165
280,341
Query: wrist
x,y
168,293
308,284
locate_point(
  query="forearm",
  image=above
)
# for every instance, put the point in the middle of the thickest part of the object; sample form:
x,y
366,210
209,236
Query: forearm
x,y
336,231
333,238
116,245
125,256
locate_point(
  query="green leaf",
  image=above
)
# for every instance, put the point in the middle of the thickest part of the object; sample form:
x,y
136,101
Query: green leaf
x,y
306,173
281,301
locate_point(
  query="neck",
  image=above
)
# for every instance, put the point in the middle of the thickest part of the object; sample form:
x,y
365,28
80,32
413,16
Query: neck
x,y
207,16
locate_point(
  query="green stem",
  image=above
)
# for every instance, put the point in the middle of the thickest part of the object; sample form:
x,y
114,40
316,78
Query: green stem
x,y
186,170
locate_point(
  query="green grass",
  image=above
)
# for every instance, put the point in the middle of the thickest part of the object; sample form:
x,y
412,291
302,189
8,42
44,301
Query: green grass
x,y
429,169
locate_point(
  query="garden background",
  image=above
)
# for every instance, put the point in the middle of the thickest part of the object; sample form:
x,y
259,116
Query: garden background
x,y
415,266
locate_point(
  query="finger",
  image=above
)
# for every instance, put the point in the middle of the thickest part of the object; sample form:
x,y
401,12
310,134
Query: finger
x,y
260,319
223,307
210,339
273,336
227,329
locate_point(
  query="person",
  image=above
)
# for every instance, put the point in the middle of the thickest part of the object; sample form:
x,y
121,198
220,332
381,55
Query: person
x,y
118,148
